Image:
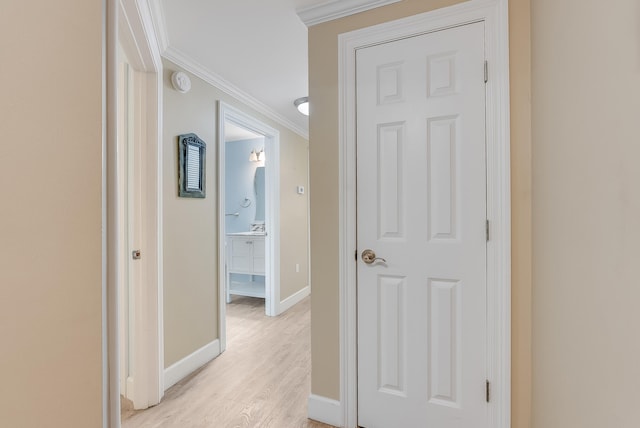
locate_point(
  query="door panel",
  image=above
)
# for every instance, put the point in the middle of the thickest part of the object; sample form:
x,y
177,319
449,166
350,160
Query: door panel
x,y
421,185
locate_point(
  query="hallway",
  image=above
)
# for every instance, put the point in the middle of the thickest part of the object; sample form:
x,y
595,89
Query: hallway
x,y
261,380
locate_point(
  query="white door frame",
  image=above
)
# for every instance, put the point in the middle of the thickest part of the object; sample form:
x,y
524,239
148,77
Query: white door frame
x,y
129,21
495,15
272,211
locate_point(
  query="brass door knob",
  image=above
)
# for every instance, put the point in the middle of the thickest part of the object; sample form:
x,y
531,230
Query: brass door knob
x,y
369,257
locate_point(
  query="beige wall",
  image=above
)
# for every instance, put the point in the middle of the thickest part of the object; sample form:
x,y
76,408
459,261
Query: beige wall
x,y
190,225
294,210
586,211
521,281
294,233
50,233
323,90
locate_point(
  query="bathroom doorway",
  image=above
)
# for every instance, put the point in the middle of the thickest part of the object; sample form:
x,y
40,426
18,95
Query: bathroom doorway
x,y
245,226
248,229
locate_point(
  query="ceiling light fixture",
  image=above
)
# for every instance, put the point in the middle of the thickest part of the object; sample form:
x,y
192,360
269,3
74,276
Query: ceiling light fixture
x,y
302,104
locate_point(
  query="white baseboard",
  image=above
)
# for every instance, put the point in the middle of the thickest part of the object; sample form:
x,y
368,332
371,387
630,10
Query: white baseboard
x,y
325,410
293,299
181,369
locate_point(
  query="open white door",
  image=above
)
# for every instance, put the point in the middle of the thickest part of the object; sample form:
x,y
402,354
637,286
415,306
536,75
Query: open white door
x,y
421,208
135,217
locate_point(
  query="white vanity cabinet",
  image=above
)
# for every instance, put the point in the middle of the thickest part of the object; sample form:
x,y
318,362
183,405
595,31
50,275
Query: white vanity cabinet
x,y
245,255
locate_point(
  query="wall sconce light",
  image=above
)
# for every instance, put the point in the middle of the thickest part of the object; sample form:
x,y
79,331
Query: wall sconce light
x,y
257,156
302,104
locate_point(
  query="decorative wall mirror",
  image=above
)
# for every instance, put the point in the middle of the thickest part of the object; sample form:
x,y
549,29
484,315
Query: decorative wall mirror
x,y
191,173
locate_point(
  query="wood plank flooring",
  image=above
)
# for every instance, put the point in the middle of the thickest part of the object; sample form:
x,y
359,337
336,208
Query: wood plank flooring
x,y
262,379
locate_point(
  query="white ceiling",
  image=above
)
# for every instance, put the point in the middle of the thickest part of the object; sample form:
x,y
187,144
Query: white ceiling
x,y
233,132
258,46
254,49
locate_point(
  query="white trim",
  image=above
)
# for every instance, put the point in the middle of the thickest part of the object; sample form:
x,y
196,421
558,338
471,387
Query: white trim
x,y
325,410
292,300
183,60
272,215
136,25
335,9
495,15
183,368
152,49
308,218
159,24
272,212
147,353
135,22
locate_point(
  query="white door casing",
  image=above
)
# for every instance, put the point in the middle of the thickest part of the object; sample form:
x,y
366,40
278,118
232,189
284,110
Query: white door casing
x,y
421,190
494,13
130,221
228,113
128,24
136,275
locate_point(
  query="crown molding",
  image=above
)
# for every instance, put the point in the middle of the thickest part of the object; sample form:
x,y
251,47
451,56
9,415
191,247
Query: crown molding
x,y
334,9
182,60
189,64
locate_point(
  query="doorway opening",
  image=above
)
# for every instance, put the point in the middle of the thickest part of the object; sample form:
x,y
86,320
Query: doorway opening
x,y
248,217
245,225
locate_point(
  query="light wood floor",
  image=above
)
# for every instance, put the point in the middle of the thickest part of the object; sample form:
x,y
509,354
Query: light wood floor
x,y
261,380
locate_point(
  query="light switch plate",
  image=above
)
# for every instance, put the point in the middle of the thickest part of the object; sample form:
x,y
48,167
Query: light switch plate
x,y
300,190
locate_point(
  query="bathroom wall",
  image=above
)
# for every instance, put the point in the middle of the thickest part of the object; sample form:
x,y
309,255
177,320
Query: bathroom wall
x,y
239,183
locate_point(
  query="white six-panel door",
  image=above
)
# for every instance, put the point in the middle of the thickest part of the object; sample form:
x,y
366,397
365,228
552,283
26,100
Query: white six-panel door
x,y
421,206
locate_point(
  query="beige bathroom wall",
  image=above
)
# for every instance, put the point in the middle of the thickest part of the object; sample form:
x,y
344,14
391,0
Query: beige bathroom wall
x,y
51,213
323,91
586,211
190,225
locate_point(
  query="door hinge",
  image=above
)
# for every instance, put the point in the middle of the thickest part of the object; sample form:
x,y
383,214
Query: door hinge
x,y
356,254
486,71
488,391
487,230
